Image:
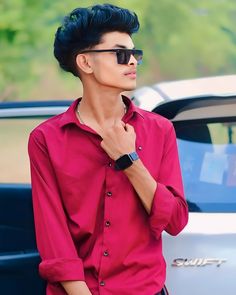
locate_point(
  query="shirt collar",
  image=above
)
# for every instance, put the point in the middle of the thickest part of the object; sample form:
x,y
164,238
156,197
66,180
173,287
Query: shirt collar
x,y
69,116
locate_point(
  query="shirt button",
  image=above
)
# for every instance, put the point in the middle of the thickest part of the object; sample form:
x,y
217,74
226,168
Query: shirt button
x,y
102,283
109,164
105,253
109,194
107,223
140,148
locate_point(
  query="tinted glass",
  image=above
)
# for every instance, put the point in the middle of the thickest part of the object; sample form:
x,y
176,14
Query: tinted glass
x,y
208,161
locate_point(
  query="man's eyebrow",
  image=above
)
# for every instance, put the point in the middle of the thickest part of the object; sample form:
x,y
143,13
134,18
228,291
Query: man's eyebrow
x,y
122,46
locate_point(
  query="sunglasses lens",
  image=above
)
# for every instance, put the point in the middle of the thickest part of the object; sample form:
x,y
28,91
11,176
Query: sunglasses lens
x,y
123,57
139,57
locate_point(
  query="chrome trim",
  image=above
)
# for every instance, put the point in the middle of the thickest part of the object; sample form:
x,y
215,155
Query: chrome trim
x,y
178,262
32,111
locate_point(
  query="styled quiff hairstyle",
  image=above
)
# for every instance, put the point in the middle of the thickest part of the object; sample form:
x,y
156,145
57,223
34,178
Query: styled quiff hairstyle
x,y
83,29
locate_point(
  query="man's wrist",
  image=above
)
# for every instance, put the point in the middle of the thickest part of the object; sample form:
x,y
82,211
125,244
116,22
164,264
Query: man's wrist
x,y
76,287
136,166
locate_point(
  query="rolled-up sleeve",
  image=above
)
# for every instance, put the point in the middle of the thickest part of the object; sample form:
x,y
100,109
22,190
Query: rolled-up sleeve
x,y
169,209
60,261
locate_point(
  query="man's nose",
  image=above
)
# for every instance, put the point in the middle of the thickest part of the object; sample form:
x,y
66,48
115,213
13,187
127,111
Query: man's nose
x,y
133,60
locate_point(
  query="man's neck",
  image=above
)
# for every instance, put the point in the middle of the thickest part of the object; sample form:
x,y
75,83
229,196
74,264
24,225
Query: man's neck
x,y
99,110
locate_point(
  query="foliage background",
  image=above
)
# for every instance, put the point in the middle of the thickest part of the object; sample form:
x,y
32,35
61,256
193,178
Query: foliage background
x,y
181,39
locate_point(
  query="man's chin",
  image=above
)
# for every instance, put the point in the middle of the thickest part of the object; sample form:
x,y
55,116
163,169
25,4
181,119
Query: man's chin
x,y
123,86
130,87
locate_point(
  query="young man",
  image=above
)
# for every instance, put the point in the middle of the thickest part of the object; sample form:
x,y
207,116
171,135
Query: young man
x,y
105,174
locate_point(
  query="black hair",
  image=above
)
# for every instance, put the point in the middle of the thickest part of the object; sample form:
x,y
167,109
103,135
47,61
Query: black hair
x,y
83,28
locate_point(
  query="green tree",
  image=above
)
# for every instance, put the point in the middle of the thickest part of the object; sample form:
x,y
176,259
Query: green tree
x,y
180,39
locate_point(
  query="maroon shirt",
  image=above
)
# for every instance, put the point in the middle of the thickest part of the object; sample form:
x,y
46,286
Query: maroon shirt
x,y
90,223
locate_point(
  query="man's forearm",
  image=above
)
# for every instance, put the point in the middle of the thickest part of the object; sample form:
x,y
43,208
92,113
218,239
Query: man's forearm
x,y
76,288
143,183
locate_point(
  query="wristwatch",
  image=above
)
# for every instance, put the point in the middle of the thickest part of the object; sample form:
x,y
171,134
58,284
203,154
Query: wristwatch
x,y
126,161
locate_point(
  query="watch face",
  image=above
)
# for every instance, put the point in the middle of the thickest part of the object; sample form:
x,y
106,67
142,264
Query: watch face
x,y
123,162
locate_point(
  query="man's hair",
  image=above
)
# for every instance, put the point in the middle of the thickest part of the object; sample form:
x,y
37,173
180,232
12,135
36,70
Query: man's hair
x,y
83,28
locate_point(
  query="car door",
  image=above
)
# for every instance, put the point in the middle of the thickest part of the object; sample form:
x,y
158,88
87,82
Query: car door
x,y
202,259
19,258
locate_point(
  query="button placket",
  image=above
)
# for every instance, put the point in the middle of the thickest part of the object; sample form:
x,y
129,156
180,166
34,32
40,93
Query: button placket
x,y
108,200
107,224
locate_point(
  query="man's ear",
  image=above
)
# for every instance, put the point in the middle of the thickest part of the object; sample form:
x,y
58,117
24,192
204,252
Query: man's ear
x,y
83,63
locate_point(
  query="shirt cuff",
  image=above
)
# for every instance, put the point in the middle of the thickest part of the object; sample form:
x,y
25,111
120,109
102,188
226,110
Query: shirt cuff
x,y
58,270
161,210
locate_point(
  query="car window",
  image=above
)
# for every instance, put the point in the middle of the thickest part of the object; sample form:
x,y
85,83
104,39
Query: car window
x,y
207,152
14,161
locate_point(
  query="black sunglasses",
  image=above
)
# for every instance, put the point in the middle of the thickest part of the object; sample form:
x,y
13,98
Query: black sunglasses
x,y
123,55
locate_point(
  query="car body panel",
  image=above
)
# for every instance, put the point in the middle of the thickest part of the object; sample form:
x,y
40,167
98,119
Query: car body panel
x,y
205,86
149,97
202,259
19,258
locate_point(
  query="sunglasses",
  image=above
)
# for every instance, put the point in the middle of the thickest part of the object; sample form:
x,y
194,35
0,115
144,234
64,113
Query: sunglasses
x,y
123,55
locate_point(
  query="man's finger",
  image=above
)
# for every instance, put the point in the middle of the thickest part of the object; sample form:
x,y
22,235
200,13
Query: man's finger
x,y
129,127
117,122
123,123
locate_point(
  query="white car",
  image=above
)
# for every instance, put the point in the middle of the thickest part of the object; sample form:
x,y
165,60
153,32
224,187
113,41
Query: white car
x,y
202,259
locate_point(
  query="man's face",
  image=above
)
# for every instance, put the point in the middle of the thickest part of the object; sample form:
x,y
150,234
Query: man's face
x,y
106,70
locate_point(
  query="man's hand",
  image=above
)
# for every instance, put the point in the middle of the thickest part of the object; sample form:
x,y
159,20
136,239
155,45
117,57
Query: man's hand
x,y
118,140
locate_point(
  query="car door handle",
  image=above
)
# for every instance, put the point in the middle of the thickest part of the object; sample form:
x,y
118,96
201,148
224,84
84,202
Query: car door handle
x,y
19,261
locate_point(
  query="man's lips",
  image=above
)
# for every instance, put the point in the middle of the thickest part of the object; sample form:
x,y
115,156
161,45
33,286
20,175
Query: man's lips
x,y
131,74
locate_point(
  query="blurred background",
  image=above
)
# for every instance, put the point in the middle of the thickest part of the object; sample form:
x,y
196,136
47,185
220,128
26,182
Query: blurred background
x,y
181,39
